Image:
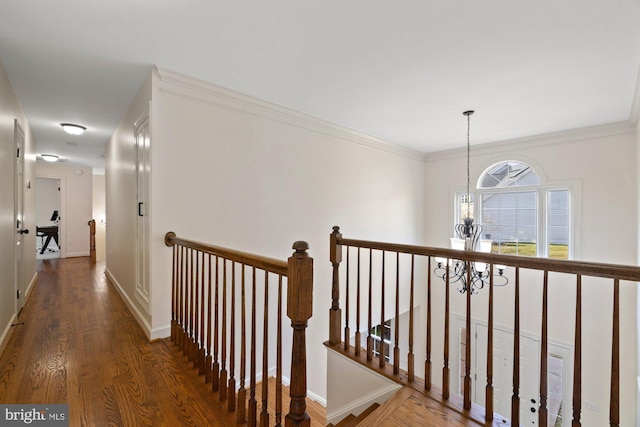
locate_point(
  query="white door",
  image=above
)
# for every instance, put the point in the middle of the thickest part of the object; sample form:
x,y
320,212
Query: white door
x,y
143,141
503,374
20,285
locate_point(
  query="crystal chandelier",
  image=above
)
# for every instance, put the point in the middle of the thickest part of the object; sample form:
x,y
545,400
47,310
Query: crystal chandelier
x,y
468,237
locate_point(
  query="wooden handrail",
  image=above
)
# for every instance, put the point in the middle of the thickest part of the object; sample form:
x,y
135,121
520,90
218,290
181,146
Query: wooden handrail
x,y
201,304
271,265
594,269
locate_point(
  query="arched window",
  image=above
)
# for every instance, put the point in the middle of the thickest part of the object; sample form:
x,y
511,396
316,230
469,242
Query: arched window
x,y
509,174
519,214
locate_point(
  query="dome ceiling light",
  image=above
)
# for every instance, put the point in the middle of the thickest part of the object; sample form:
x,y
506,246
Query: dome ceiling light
x,y
50,157
73,129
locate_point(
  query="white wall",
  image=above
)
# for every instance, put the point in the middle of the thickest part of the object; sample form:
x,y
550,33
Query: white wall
x,y
76,190
10,110
245,174
120,200
603,162
47,200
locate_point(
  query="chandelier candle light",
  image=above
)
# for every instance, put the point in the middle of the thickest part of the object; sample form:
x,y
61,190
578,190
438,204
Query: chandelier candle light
x,y
468,238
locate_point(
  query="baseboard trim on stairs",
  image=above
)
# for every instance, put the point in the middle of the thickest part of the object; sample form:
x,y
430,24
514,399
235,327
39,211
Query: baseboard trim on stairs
x,y
358,406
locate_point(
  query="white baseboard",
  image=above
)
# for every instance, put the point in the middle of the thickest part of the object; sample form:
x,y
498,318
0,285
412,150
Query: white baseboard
x,y
146,328
316,398
34,279
6,334
76,254
160,333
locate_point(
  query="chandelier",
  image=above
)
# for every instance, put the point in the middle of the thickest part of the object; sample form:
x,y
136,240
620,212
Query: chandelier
x,y
468,238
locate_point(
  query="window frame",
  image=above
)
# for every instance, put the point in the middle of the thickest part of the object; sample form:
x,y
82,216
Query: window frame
x,y
543,190
380,342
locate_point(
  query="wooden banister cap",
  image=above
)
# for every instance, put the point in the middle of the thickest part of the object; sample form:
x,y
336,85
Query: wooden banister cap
x,y
300,246
168,238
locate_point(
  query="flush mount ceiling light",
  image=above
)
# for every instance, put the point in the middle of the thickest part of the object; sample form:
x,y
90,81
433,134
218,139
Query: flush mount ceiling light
x,y
50,157
73,129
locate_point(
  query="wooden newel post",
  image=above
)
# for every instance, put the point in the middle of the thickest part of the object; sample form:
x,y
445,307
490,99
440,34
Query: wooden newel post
x,y
299,310
335,314
92,240
175,327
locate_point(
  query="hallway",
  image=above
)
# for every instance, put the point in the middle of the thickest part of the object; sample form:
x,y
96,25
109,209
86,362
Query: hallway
x,y
77,343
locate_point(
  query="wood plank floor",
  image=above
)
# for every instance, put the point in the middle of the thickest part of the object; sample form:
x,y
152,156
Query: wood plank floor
x,y
409,407
78,344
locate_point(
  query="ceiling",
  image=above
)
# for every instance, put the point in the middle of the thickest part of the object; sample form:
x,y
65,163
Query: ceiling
x,y
402,71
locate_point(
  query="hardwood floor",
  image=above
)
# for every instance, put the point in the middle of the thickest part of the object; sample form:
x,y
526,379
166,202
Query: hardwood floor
x,y
78,344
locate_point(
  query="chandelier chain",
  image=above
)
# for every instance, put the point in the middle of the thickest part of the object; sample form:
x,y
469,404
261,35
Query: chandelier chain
x,y
468,167
468,114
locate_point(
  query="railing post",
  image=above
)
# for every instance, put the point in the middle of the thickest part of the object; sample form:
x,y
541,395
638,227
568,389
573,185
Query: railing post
x,y
335,314
174,285
92,240
299,310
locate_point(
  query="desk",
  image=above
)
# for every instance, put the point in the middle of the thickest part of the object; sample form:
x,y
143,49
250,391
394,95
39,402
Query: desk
x,y
50,232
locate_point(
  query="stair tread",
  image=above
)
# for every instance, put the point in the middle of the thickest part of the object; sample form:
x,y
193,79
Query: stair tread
x,y
352,420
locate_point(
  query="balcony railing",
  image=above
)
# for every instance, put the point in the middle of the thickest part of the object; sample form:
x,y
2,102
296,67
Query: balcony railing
x,y
379,282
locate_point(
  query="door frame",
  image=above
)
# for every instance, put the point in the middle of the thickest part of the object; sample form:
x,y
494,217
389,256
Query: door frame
x,y
62,232
61,211
142,157
18,216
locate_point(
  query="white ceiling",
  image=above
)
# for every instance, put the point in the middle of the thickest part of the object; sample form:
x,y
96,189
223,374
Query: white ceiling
x,y
400,70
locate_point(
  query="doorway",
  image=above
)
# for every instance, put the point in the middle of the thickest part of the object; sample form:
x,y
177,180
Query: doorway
x,y
503,373
558,374
48,218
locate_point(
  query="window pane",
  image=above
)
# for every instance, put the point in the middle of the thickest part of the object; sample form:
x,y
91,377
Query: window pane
x,y
510,219
509,213
462,207
558,224
509,174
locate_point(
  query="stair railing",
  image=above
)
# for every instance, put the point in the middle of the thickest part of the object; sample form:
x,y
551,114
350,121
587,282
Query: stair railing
x,y
360,285
216,295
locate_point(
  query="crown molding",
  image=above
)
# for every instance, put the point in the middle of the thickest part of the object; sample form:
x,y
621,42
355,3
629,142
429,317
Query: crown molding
x,y
182,85
581,134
